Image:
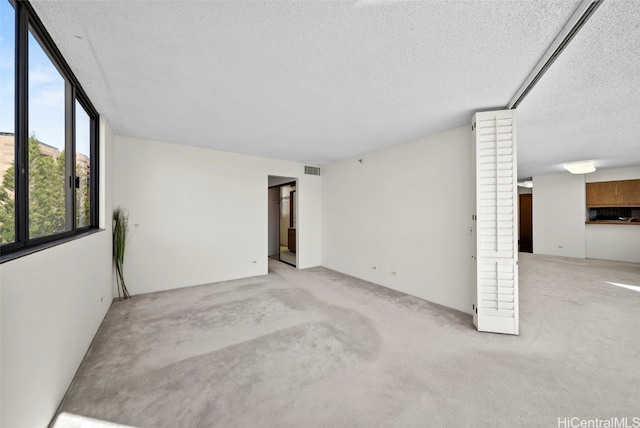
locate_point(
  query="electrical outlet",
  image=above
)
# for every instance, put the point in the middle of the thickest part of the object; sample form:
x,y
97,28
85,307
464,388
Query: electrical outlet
x,y
254,262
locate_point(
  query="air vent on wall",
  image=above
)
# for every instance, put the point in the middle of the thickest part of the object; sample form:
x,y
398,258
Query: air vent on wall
x,y
312,170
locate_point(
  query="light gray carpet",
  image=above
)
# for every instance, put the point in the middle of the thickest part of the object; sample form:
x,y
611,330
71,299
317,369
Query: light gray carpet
x,y
316,348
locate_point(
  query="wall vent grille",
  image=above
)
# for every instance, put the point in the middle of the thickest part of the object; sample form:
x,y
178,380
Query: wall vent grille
x,y
312,170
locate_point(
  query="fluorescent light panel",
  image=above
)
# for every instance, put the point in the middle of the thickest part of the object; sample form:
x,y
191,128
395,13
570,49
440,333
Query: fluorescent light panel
x,y
580,167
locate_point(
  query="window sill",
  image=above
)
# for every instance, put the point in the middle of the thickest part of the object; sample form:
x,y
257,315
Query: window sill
x,y
25,252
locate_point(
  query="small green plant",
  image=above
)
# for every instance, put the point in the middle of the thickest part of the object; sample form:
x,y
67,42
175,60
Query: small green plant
x,y
120,220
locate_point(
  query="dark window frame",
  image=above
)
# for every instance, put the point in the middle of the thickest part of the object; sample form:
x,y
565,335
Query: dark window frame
x,y
26,21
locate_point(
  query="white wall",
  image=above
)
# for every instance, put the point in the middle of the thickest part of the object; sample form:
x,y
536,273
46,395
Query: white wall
x,y
53,302
406,209
609,241
199,216
559,215
524,191
614,174
613,242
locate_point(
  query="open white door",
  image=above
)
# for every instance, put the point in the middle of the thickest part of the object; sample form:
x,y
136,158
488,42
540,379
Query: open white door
x,y
496,254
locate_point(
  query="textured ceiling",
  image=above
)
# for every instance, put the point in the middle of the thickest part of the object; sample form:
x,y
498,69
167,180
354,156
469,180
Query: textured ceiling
x,y
587,106
320,81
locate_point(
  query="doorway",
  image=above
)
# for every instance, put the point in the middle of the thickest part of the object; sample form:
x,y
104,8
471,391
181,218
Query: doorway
x,y
526,223
283,230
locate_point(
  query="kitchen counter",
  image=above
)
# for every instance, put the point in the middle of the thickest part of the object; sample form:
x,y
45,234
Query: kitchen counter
x,y
629,223
611,241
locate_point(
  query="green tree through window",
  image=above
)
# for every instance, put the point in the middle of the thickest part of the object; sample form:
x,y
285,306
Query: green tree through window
x,y
7,207
47,212
47,209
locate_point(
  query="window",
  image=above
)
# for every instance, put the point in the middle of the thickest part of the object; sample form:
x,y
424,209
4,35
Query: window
x,y
47,135
83,166
7,123
48,139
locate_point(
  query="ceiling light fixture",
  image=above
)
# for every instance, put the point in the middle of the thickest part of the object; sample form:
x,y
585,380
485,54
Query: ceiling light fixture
x,y
580,167
528,184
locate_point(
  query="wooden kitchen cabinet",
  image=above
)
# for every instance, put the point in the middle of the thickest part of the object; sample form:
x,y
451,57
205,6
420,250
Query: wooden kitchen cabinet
x,y
624,193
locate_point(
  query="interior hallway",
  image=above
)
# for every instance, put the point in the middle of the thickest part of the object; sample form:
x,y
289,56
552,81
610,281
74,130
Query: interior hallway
x,y
318,348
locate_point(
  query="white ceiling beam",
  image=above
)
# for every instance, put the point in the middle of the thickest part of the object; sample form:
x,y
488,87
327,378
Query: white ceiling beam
x,y
568,32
